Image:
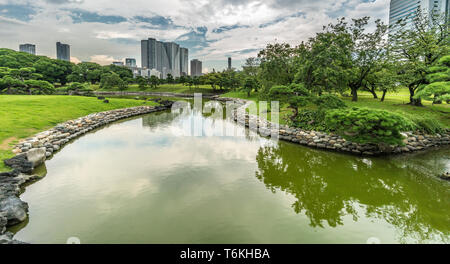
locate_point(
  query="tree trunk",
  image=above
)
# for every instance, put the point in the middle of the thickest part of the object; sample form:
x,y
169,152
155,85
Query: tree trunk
x,y
384,94
412,100
354,94
295,114
375,96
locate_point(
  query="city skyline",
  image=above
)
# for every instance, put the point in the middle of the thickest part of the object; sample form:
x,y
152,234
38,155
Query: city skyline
x,y
211,30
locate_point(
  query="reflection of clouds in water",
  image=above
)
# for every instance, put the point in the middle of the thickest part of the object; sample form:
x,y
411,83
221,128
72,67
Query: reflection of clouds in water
x,y
155,153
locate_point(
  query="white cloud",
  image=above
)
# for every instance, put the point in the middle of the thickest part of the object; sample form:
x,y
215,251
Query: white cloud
x,y
102,59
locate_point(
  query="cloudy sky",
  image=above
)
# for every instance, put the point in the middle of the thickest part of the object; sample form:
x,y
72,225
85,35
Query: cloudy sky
x,y
107,30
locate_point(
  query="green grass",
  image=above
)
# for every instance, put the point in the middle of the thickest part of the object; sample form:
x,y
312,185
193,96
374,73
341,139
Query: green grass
x,y
22,116
164,88
394,102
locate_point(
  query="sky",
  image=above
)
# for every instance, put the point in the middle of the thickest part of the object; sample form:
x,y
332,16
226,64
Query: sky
x,y
103,31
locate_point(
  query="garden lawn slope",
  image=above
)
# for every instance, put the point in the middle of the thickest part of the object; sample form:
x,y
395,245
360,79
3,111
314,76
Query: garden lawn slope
x,y
22,116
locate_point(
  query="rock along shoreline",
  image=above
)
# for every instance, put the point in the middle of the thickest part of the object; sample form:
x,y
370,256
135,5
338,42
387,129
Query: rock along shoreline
x,y
33,151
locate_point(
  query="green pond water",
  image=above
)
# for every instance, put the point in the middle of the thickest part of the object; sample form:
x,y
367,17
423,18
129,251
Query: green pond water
x,y
141,181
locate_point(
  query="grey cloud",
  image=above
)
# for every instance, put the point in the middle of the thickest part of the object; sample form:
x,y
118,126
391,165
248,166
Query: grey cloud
x,y
59,2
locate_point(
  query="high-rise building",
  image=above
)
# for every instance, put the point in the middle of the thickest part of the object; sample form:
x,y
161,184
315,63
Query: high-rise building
x,y
62,51
28,48
229,63
165,57
196,68
184,61
130,62
406,9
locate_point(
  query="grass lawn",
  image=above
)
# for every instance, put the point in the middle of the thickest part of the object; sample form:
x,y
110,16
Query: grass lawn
x,y
171,88
22,116
394,102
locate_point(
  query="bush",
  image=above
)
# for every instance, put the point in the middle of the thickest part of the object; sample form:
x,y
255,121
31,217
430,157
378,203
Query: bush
x,y
329,101
365,125
314,119
310,119
428,125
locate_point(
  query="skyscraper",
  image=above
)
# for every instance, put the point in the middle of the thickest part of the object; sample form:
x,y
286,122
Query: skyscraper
x,y
130,62
229,63
62,51
165,57
184,61
28,48
196,68
406,9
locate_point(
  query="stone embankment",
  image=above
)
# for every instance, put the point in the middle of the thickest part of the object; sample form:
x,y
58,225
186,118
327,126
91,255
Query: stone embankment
x,y
163,94
33,151
330,141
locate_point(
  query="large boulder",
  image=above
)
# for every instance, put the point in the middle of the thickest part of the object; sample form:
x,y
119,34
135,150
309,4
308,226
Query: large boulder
x,y
14,209
36,156
20,163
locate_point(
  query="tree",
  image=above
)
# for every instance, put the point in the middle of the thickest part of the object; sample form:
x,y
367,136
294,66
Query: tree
x,y
251,68
419,47
295,95
212,79
250,84
385,79
111,80
154,81
323,62
11,85
39,87
196,81
438,89
169,78
142,82
276,65
122,85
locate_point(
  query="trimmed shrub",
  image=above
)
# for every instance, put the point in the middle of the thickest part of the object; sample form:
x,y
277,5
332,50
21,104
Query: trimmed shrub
x,y
329,101
314,119
365,125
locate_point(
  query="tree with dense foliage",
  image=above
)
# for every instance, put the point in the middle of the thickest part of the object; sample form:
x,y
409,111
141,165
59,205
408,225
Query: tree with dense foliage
x,y
295,95
365,125
419,47
249,85
142,83
277,65
169,78
154,81
110,80
39,87
438,77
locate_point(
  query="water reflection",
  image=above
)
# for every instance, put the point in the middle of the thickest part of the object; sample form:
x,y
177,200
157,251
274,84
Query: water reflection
x,y
329,186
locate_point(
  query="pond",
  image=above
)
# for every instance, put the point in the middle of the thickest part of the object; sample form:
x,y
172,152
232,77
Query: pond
x,y
141,181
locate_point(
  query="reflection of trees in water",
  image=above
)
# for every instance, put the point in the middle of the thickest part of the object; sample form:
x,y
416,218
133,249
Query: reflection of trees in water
x,y
328,186
153,120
